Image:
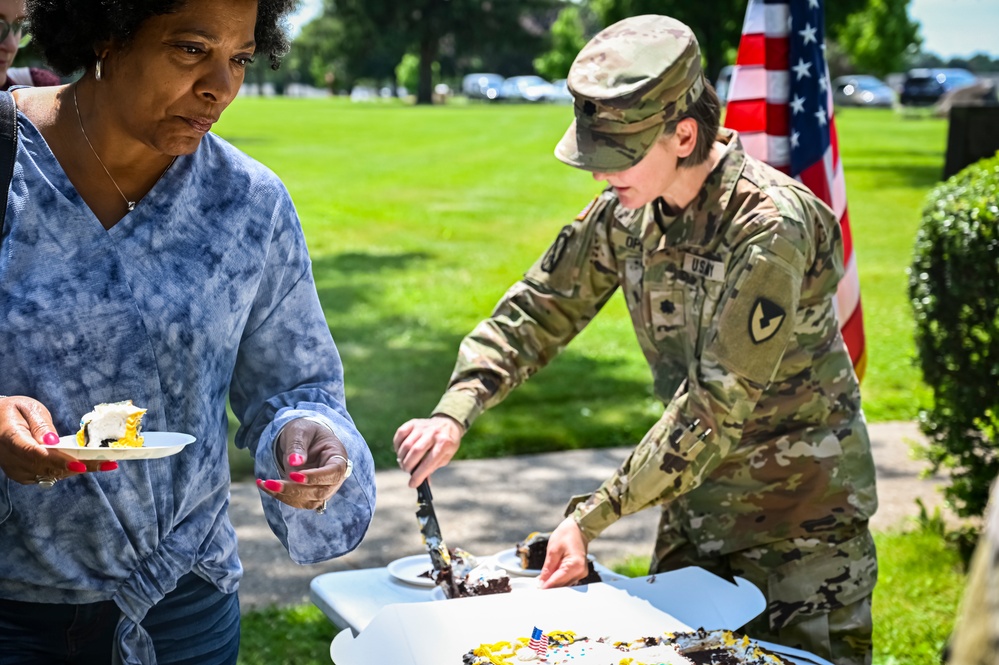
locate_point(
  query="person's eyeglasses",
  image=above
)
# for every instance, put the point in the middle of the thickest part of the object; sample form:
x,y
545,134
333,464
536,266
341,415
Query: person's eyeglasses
x,y
19,28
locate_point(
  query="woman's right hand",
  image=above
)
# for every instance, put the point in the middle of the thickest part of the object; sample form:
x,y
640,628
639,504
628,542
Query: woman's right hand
x,y
25,429
424,445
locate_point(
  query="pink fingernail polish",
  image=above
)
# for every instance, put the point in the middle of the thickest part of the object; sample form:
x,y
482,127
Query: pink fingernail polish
x,y
50,439
260,483
110,465
273,485
295,459
77,467
297,477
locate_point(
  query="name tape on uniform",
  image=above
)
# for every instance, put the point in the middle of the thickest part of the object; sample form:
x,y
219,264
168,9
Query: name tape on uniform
x,y
698,265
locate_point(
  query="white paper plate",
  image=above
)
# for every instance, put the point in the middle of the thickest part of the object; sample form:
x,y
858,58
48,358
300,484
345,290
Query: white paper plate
x,y
155,445
409,569
509,561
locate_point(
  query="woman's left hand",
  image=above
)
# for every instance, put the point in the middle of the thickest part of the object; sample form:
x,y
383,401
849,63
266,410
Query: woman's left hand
x,y
313,462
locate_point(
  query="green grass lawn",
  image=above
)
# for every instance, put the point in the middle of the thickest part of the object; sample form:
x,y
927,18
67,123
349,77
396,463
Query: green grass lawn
x,y
915,602
418,220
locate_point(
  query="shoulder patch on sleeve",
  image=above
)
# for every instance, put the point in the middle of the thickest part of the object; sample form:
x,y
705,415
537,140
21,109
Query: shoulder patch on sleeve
x,y
554,254
753,330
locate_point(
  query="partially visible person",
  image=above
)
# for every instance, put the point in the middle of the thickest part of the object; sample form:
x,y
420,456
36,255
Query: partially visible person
x,y
145,258
760,463
12,34
975,640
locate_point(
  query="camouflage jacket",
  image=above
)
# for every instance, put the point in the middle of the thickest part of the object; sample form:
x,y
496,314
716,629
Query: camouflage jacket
x,y
763,437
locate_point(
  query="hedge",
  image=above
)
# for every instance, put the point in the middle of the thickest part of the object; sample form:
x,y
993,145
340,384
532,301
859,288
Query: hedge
x,y
954,290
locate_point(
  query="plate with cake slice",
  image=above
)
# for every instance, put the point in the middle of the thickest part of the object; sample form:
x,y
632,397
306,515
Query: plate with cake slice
x,y
113,431
512,561
152,445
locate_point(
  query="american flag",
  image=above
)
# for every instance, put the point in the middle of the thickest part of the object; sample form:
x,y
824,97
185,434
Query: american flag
x,y
538,642
780,101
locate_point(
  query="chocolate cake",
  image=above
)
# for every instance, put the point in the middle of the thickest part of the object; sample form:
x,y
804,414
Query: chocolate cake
x,y
532,550
467,577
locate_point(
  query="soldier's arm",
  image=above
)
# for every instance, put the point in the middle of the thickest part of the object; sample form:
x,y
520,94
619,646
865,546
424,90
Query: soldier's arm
x,y
536,317
705,420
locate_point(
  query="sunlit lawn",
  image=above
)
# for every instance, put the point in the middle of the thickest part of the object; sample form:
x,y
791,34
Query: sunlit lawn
x,y
418,219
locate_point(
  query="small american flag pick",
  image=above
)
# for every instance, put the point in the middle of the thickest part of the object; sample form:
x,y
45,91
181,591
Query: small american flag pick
x,y
538,642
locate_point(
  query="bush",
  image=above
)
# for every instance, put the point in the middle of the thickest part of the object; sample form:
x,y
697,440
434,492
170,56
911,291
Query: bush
x,y
954,290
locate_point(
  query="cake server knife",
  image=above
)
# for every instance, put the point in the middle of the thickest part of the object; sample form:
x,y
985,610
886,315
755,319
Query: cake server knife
x,y
431,530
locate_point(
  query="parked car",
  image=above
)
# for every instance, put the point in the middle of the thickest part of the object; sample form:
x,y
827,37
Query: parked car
x,y
482,86
559,93
923,87
862,90
525,89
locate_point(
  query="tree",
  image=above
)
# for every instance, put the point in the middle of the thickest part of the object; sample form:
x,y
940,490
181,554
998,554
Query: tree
x,y
315,55
981,62
718,25
567,39
878,36
421,27
878,28
345,43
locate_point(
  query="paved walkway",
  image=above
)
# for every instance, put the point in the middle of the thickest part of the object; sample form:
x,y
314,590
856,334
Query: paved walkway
x,y
486,506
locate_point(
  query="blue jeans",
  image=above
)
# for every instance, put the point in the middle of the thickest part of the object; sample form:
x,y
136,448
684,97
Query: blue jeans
x,y
194,624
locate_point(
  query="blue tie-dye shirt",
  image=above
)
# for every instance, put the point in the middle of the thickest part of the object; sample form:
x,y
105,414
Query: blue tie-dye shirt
x,y
204,291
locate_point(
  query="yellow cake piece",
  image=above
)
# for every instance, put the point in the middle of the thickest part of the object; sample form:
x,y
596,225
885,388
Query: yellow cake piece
x,y
112,425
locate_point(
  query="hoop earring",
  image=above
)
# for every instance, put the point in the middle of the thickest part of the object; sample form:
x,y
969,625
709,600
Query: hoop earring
x,y
97,69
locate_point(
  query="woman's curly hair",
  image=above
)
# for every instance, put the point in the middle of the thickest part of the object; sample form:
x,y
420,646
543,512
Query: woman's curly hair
x,y
67,31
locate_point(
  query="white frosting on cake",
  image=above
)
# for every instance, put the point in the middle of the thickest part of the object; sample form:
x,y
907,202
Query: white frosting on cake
x,y
112,422
485,572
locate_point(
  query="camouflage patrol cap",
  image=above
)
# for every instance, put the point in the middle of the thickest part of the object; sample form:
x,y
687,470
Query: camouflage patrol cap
x,y
631,80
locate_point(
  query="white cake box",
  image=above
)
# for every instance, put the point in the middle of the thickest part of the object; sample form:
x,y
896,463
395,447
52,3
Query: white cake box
x,y
441,632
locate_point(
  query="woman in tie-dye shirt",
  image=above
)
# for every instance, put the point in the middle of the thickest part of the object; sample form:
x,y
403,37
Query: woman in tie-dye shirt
x,y
143,258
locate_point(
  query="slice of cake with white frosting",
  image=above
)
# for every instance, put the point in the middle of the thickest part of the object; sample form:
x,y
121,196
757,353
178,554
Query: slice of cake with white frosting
x,y
112,425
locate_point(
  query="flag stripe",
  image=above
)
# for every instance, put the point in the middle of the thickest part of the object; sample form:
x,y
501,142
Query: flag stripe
x,y
844,225
750,115
752,50
848,297
778,50
755,82
853,333
778,121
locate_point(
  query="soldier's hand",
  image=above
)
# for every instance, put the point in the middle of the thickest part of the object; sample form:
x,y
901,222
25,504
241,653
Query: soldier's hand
x,y
565,561
424,445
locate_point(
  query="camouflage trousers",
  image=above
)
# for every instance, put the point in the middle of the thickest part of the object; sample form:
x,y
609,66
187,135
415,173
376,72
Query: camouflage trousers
x,y
818,589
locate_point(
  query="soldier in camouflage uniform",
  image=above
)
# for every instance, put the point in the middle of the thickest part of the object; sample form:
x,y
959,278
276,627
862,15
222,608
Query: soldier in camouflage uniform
x,y
761,461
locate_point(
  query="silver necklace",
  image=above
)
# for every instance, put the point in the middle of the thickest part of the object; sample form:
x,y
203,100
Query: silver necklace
x,y
129,204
